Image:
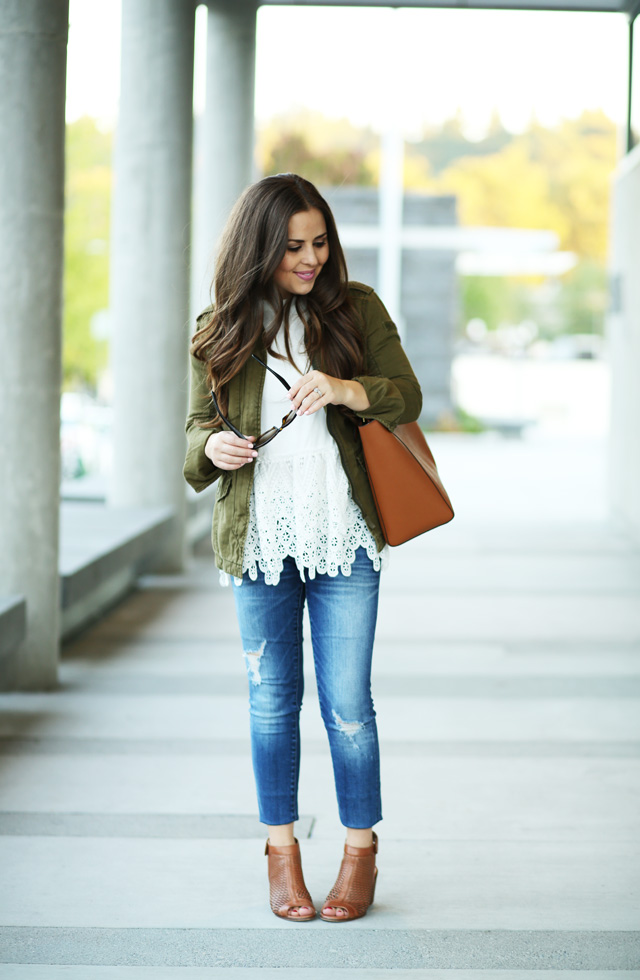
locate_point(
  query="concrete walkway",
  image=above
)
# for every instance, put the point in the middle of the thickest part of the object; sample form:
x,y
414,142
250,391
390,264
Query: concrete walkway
x,y
507,686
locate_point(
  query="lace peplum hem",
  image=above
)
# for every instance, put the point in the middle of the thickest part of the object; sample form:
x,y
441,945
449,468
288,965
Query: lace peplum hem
x,y
301,507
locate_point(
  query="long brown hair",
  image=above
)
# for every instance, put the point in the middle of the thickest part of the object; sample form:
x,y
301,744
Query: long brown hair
x,y
252,247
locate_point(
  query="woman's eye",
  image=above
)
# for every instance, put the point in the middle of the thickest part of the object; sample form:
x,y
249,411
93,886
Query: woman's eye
x,y
296,248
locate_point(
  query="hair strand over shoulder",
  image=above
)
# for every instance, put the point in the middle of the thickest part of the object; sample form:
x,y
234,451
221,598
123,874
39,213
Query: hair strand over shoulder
x,y
252,246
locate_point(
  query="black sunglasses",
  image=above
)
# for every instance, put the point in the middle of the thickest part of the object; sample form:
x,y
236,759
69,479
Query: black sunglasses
x,y
271,433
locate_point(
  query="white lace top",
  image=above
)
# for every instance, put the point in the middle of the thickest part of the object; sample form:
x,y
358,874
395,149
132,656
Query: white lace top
x,y
301,504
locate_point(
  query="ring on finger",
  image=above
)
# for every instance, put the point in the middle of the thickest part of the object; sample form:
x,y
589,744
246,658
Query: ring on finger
x,y
318,392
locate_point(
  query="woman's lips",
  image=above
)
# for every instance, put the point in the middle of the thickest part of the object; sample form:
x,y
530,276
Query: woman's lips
x,y
306,276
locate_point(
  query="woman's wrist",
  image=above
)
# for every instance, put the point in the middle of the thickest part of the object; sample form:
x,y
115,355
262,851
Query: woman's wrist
x,y
208,447
355,396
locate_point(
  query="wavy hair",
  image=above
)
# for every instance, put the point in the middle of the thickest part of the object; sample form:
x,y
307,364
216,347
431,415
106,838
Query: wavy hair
x,y
252,246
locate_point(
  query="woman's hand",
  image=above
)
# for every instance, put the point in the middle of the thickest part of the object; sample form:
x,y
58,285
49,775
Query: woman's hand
x,y
314,390
228,452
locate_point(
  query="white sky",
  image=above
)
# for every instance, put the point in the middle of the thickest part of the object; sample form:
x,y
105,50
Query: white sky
x,y
340,61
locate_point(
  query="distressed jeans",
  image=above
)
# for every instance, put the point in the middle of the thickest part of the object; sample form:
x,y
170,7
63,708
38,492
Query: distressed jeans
x,y
342,615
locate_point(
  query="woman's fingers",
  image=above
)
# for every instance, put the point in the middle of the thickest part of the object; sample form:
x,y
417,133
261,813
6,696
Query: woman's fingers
x,y
301,388
313,401
228,452
313,391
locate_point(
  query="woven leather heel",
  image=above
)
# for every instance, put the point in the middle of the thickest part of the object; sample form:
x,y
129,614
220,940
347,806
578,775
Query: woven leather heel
x,y
286,884
356,883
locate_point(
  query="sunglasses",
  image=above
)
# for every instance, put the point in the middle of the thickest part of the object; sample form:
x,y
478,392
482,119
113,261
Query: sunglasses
x,y
271,433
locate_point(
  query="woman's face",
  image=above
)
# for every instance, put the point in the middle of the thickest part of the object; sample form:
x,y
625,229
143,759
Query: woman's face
x,y
307,251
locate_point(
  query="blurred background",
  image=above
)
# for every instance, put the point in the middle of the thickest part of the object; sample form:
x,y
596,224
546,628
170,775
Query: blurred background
x,y
483,169
498,116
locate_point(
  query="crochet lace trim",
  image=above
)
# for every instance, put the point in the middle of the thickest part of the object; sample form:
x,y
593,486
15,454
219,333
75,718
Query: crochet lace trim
x,y
302,507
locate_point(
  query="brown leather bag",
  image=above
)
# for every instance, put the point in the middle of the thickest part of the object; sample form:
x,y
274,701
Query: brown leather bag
x,y
408,493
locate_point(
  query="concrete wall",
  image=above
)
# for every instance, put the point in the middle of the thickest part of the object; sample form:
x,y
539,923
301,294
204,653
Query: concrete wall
x,y
429,301
429,288
623,328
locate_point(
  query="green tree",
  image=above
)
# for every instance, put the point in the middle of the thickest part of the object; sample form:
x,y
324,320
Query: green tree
x,y
584,297
443,145
86,260
328,152
495,299
555,178
579,156
504,190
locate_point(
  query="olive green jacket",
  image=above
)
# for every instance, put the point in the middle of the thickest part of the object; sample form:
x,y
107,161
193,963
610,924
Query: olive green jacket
x,y
394,397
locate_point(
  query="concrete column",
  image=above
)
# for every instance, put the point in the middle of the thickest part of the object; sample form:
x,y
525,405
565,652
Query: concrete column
x,y
150,260
623,330
226,163
33,59
430,296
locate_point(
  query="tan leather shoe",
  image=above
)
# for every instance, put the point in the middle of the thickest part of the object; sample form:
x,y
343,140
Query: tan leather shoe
x,y
355,885
286,884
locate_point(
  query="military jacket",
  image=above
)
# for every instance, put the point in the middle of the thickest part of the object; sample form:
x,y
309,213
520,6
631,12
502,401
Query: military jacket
x,y
394,397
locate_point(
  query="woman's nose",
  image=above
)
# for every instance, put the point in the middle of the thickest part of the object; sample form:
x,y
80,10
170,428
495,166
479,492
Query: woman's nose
x,y
308,256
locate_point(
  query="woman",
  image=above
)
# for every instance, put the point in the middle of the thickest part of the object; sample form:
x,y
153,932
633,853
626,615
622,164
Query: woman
x,y
290,339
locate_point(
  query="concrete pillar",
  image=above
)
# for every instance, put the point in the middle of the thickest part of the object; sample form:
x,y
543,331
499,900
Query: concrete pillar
x,y
430,297
623,334
150,260
429,290
226,163
33,57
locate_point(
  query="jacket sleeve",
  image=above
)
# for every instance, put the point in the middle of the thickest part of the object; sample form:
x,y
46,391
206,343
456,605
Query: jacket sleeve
x,y
198,470
391,386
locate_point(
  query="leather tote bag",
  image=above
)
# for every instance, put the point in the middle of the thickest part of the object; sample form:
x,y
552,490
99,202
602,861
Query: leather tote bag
x,y
408,493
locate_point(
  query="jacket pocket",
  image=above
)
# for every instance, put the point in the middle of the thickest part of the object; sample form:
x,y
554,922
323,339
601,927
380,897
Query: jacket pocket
x,y
220,524
224,485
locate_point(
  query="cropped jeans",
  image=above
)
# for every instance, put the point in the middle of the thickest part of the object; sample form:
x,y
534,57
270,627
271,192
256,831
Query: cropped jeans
x,y
342,615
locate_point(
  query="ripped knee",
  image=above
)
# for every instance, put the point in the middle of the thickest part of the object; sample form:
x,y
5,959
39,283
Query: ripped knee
x,y
348,728
252,660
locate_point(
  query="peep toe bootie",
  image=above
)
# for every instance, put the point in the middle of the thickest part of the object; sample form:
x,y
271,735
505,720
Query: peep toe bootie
x,y
355,885
287,890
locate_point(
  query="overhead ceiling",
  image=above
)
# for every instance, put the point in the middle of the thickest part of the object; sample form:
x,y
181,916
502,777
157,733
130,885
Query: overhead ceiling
x,y
628,7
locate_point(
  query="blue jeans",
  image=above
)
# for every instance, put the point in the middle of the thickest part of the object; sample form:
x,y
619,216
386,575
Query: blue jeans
x,y
342,614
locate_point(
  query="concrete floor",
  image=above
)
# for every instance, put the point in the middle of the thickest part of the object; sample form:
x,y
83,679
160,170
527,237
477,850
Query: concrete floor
x,y
507,685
